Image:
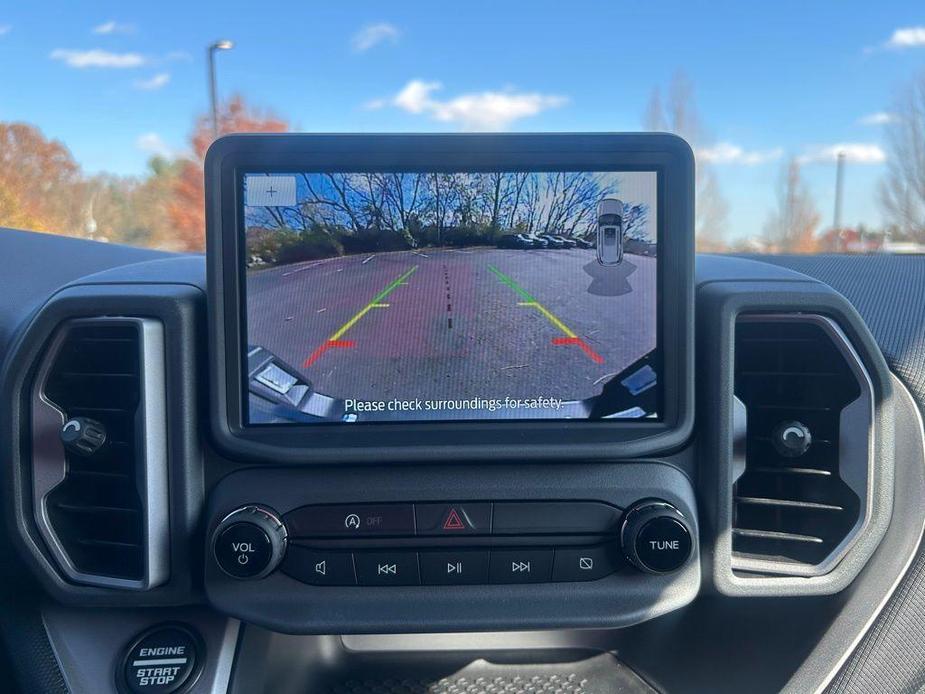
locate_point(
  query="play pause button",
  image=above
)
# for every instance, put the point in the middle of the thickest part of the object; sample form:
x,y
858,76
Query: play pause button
x,y
521,565
454,567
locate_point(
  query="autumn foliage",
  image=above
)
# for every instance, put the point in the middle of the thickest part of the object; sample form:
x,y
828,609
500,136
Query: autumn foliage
x,y
39,182
43,189
186,209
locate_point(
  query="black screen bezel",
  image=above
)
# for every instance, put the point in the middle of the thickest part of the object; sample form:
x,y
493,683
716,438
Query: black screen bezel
x,y
230,157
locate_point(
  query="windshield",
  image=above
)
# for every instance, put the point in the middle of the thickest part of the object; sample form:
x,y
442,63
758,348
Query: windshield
x,y
807,120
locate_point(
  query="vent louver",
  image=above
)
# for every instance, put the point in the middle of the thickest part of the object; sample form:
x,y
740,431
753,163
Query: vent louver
x,y
793,511
104,514
97,511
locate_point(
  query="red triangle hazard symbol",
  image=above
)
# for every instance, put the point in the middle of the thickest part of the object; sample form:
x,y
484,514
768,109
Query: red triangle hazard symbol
x,y
453,521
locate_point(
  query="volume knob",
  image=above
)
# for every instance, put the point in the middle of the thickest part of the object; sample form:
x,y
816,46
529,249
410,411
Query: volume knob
x,y
249,542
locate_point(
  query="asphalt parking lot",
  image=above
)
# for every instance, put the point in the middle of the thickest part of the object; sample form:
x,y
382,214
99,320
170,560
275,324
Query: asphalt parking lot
x,y
456,323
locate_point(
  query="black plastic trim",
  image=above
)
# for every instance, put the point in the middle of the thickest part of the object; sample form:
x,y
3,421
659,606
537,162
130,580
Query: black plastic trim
x,y
719,303
176,306
281,603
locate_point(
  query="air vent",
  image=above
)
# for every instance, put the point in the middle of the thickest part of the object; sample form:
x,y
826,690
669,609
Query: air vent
x,y
799,499
104,515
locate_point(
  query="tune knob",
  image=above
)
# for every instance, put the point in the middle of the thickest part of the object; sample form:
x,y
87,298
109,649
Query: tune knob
x,y
249,542
656,537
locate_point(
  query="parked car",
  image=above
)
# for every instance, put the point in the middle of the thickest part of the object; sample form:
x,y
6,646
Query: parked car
x,y
583,243
514,241
638,245
537,240
568,241
553,241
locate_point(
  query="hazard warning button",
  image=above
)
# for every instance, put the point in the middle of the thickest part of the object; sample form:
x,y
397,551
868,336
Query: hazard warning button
x,y
467,518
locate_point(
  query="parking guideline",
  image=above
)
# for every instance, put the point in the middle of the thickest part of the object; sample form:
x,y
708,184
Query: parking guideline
x,y
335,340
570,339
375,303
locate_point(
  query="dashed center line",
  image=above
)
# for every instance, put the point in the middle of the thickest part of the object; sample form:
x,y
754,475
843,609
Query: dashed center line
x,y
449,303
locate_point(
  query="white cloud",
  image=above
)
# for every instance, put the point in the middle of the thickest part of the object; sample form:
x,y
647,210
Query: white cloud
x,y
415,97
907,37
856,152
5,29
156,82
97,58
878,118
475,111
728,153
153,144
374,34
113,27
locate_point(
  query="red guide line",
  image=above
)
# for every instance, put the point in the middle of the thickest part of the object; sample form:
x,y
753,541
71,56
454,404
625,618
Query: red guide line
x,y
330,344
597,358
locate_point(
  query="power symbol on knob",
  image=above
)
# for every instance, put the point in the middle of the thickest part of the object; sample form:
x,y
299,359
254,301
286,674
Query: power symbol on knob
x,y
249,543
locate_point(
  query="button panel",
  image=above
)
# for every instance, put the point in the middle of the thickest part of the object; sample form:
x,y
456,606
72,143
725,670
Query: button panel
x,y
451,567
500,542
443,519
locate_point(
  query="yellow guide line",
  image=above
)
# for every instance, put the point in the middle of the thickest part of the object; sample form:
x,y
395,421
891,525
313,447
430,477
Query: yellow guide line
x,y
555,321
375,303
552,319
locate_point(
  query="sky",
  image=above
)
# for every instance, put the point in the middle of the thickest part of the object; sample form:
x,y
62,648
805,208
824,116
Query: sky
x,y
120,81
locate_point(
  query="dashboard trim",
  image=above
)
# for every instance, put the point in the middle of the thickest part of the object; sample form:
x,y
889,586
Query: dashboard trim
x,y
720,303
862,415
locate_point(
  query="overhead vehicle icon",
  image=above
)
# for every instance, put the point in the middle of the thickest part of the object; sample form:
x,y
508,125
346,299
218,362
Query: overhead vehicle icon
x,y
610,231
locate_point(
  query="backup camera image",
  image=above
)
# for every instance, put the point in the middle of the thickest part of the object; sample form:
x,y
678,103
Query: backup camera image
x,y
395,297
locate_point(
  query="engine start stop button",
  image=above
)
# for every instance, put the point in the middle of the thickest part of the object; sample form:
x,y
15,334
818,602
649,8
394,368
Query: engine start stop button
x,y
164,660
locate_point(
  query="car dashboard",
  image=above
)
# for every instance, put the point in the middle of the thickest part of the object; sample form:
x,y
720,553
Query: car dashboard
x,y
775,546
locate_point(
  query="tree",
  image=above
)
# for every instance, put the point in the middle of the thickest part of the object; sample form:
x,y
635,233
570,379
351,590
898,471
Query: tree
x,y
680,117
40,182
187,209
902,191
125,209
791,227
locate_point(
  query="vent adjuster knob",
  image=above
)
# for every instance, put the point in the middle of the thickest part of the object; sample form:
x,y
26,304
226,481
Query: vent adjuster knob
x,y
83,436
791,439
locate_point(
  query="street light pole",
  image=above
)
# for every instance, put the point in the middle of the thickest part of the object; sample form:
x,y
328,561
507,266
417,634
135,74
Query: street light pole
x,y
223,45
839,186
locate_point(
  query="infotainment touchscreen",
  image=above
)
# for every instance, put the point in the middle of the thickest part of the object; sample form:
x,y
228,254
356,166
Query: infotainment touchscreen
x,y
444,296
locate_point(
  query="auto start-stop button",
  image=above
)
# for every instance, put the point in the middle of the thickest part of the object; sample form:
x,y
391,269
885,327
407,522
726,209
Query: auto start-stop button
x,y
164,660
